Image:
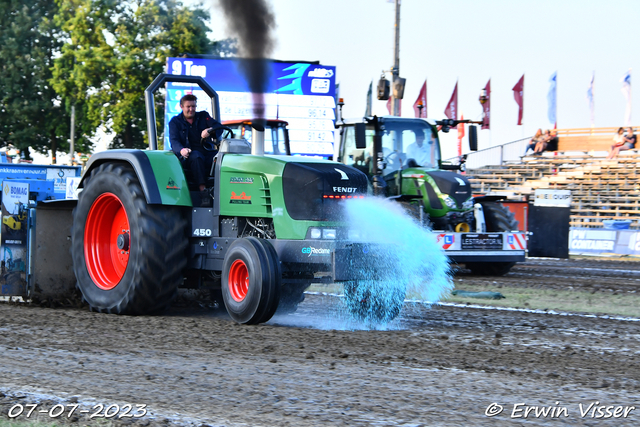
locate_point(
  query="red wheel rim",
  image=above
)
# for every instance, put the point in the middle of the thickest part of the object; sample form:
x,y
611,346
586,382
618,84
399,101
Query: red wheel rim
x,y
238,280
106,221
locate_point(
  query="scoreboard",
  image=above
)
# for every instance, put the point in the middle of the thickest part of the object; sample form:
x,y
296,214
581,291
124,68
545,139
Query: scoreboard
x,y
301,93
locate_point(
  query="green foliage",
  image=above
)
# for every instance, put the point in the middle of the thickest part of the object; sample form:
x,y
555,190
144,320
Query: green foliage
x,y
30,110
114,50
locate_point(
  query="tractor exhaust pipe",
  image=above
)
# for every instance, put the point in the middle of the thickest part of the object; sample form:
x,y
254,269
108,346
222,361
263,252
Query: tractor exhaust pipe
x,y
257,137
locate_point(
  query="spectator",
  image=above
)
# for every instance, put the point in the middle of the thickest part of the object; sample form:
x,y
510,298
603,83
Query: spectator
x,y
628,142
618,140
533,142
542,143
552,144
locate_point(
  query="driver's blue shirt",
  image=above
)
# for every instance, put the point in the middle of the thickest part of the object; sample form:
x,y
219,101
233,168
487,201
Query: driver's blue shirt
x,y
183,134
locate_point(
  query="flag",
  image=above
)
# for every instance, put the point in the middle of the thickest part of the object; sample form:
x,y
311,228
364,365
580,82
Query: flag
x,y
367,112
592,109
452,107
551,99
390,108
460,136
422,97
626,91
518,94
486,107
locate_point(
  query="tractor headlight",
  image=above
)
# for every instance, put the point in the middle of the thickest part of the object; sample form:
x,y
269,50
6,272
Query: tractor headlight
x,y
322,233
354,234
468,204
328,233
450,202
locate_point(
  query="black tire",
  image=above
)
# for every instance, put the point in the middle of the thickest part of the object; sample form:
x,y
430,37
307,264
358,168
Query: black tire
x,y
374,301
290,297
497,218
251,281
155,261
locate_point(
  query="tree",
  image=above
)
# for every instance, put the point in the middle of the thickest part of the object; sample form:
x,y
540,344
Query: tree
x,y
114,51
30,110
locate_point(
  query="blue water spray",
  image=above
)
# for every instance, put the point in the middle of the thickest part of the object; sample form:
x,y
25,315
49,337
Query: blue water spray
x,y
407,261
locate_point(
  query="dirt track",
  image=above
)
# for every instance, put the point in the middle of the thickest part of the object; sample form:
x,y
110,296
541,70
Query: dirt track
x,y
436,366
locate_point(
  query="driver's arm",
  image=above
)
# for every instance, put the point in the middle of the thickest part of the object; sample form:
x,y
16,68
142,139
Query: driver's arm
x,y
211,124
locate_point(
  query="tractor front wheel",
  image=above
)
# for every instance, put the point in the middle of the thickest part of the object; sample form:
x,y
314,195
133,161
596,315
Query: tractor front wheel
x,y
251,278
128,256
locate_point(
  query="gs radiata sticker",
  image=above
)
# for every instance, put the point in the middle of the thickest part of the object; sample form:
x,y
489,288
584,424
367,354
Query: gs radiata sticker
x,y
311,251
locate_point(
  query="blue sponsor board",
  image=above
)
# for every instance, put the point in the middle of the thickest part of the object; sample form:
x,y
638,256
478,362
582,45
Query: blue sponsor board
x,y
300,93
604,242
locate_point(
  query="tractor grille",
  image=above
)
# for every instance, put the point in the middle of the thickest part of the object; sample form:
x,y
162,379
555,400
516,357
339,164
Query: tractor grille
x,y
313,191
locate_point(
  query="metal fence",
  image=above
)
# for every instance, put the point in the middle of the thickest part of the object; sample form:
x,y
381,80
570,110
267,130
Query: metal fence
x,y
500,154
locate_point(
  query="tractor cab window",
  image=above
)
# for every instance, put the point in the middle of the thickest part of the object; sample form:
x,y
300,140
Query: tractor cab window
x,y
273,139
352,156
419,144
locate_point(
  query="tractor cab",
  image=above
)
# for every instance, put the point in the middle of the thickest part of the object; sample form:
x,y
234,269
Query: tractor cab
x,y
405,143
276,134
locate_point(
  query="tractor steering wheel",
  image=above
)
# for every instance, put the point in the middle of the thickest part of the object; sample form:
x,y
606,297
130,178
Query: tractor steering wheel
x,y
210,146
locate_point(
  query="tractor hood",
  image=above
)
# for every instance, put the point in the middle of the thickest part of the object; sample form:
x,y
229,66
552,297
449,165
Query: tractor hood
x,y
313,191
455,185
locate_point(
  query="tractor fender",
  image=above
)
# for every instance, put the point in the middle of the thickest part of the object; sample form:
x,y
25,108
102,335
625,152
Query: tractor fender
x,y
160,173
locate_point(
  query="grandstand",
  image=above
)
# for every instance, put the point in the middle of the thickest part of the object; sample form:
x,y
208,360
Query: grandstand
x,y
601,189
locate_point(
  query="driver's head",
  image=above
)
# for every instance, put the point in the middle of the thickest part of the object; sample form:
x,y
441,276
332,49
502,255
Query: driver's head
x,y
188,105
419,137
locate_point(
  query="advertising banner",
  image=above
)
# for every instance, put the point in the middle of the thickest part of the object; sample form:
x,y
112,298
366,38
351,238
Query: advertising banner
x,y
604,242
13,238
300,93
555,198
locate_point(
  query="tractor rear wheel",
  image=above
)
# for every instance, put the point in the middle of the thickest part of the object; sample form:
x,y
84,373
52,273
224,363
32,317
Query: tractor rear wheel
x,y
251,278
128,256
374,301
498,219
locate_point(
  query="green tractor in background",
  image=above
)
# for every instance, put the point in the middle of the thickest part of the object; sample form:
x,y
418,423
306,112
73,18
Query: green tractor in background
x,y
272,227
476,231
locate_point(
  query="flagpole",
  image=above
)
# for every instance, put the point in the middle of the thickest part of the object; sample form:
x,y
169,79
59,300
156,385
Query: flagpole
x,y
395,71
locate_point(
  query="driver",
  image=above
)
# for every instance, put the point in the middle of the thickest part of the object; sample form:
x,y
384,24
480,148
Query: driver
x,y
188,131
418,151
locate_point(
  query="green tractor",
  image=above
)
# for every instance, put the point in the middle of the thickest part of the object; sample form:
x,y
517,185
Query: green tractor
x,y
272,227
401,157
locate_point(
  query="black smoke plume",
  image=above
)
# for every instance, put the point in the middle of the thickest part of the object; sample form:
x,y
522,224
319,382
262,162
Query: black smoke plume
x,y
252,23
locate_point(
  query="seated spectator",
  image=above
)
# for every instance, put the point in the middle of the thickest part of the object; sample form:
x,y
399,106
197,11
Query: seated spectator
x,y
552,144
618,140
542,143
533,142
628,143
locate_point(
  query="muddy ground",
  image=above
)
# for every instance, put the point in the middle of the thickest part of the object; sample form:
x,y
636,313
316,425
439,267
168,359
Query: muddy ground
x,y
442,365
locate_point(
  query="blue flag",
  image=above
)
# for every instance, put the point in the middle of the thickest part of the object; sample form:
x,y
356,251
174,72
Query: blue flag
x,y
551,98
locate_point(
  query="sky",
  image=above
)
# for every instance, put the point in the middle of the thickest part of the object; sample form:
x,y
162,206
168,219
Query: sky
x,y
469,41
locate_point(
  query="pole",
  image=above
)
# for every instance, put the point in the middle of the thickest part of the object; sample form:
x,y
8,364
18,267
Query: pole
x,y
72,154
395,71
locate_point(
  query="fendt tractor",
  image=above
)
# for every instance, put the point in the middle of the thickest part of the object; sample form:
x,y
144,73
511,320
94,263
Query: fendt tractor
x,y
269,226
476,231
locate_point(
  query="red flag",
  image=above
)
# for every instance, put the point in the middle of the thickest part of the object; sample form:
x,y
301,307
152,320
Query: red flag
x,y
452,107
460,136
399,106
422,98
486,107
518,94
